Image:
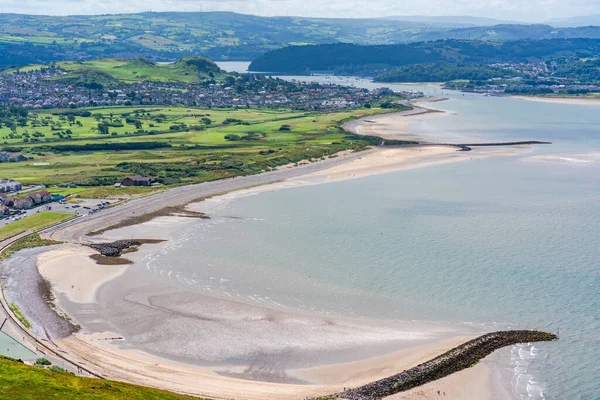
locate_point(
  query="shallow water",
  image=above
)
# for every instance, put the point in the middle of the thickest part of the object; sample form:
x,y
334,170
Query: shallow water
x,y
503,242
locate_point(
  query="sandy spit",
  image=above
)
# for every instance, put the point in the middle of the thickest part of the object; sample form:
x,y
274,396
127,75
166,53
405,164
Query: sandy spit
x,y
561,100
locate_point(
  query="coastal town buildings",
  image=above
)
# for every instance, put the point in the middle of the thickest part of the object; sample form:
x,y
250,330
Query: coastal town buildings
x,y
136,181
8,185
39,90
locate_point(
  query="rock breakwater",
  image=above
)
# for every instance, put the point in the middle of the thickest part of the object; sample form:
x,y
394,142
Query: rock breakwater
x,y
464,356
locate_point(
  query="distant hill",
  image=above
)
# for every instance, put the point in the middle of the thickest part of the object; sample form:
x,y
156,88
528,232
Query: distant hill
x,y
168,36
516,32
111,71
456,21
584,20
362,59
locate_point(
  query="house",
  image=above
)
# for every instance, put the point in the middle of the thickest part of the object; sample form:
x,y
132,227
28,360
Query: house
x,y
136,181
6,201
8,185
4,210
41,197
24,204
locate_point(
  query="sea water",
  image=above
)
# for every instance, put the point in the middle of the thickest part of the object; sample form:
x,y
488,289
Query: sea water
x,y
502,242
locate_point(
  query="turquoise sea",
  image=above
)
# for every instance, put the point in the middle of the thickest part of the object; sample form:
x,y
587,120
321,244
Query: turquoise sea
x,y
501,242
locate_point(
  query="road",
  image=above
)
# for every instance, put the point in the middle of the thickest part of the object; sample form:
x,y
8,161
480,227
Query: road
x,y
21,334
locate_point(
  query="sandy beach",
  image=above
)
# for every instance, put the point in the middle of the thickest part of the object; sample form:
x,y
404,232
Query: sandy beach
x,y
561,100
166,332
142,368
72,273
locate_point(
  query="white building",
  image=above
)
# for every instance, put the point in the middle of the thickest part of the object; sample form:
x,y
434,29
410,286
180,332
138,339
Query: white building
x,y
10,186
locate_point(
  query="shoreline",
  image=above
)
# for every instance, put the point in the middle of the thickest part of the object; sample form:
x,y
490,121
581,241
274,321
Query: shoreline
x,y
374,161
560,100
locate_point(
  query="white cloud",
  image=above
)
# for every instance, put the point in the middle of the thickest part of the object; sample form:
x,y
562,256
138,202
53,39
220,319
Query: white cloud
x,y
531,10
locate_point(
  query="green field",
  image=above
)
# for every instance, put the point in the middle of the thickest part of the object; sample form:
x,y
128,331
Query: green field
x,y
21,382
32,223
185,145
191,69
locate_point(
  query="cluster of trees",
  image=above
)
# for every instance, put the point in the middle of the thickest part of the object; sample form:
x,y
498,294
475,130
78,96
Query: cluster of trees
x,y
441,72
102,147
587,70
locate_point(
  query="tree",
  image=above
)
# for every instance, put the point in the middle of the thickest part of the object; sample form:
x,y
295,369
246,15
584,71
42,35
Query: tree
x,y
103,128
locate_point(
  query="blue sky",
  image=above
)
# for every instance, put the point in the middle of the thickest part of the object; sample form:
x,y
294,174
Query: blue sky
x,y
525,10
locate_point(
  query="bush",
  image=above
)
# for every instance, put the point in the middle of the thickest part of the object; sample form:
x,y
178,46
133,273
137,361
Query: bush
x,y
42,361
54,368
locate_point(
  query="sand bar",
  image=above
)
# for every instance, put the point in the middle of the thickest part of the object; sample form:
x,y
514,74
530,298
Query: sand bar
x,y
562,100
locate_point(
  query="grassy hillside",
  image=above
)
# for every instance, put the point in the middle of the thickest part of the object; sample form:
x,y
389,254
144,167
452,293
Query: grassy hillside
x,y
28,39
109,71
21,382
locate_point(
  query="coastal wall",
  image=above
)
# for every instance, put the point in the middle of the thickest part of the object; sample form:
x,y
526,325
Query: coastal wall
x,y
457,359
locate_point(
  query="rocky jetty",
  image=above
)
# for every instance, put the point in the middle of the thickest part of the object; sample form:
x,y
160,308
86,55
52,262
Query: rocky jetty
x,y
457,359
116,249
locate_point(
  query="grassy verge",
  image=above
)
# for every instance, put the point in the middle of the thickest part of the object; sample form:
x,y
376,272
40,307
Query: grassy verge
x,y
20,382
28,242
15,310
32,223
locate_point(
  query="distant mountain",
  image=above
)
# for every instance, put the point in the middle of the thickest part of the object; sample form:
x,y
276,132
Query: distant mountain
x,y
587,20
515,32
168,36
457,21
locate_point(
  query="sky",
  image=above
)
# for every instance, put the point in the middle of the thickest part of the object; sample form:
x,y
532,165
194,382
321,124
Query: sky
x,y
515,10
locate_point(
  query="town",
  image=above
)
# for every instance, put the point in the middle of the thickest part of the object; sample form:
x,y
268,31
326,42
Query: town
x,y
530,78
41,90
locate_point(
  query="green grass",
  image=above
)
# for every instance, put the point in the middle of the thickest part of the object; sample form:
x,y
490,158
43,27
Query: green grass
x,y
137,70
27,242
21,382
32,223
19,315
197,154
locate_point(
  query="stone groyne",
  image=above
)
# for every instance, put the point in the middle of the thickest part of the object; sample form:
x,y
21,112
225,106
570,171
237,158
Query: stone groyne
x,y
464,356
468,146
115,249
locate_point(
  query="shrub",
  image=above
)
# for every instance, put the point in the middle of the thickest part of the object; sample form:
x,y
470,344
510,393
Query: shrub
x,y
42,361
